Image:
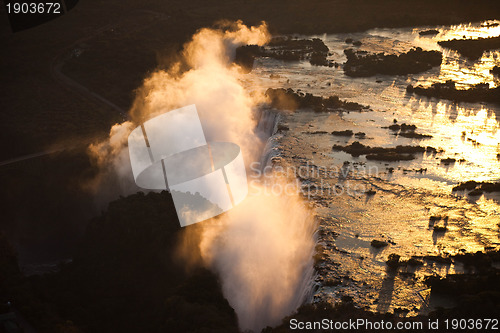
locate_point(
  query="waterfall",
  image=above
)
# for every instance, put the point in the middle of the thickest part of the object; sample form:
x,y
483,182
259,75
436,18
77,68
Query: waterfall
x,y
266,129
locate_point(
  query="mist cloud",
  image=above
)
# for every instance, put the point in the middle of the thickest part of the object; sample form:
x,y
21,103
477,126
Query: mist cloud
x,y
262,249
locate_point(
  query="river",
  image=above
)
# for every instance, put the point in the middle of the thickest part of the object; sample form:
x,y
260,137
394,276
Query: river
x,y
400,211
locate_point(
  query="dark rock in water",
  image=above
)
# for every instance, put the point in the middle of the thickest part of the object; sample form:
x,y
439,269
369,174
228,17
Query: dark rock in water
x,y
346,299
409,149
343,133
378,244
370,192
403,127
286,49
317,132
319,256
472,48
439,259
414,262
348,40
360,135
319,59
477,93
287,99
438,228
490,187
413,135
478,293
393,261
291,49
495,70
490,25
399,153
332,282
434,218
245,56
473,289
390,157
430,32
357,43
362,64
407,131
478,259
477,188
431,150
475,192
469,185
447,161
282,128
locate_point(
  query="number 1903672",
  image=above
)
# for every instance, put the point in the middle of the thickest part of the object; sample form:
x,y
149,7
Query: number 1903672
x,y
471,324
33,8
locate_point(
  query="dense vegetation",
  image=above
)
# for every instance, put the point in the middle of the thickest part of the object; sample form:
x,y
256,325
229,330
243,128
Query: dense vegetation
x,y
44,209
125,277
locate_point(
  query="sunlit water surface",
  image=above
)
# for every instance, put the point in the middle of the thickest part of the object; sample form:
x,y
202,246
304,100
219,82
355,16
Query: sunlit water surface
x,y
405,199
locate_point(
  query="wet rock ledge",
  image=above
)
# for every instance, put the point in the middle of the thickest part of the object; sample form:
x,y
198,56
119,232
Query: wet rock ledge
x,y
364,64
472,48
287,99
286,49
398,153
477,93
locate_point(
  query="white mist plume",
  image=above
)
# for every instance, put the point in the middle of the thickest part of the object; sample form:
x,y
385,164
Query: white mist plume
x,y
262,249
224,107
264,257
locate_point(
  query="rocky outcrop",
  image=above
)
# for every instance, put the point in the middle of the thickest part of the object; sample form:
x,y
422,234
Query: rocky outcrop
x,y
407,131
430,32
477,93
286,49
495,70
363,64
477,188
245,56
398,153
288,99
472,48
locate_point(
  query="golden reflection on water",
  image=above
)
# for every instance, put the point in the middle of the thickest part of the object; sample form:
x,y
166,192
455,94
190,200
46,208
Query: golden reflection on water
x,y
471,30
472,135
459,69
410,197
466,75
